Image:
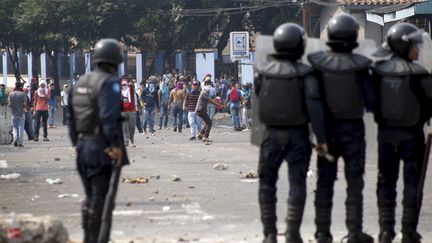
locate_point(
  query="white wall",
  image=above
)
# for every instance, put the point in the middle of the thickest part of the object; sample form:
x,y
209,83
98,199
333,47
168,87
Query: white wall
x,y
247,72
205,63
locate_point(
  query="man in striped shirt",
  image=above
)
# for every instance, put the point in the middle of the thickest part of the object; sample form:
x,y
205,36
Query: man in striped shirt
x,y
189,105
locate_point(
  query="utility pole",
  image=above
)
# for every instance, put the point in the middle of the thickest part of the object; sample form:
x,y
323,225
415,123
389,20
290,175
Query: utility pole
x,y
306,17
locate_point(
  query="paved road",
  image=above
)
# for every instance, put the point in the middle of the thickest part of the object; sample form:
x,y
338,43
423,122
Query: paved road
x,y
207,205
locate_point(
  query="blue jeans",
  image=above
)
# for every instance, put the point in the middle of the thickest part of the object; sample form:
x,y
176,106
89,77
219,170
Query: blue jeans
x,y
211,111
149,117
51,113
185,118
178,115
138,122
18,128
28,126
163,116
235,114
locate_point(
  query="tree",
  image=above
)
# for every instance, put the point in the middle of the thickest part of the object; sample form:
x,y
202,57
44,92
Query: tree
x,y
11,37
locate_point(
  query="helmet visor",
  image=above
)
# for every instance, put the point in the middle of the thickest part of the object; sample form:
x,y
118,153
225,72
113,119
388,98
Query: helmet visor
x,y
414,37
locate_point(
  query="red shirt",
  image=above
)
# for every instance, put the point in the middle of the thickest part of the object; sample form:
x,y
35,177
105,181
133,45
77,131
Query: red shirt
x,y
41,103
129,106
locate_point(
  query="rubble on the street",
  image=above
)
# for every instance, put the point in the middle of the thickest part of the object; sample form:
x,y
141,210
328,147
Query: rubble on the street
x,y
34,229
175,178
220,166
137,180
251,175
11,176
56,181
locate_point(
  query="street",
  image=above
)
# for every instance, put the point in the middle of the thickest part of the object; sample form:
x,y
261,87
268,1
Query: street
x,y
202,204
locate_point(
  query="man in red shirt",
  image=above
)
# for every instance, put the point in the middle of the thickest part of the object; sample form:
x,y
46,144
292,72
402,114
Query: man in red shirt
x,y
40,106
128,112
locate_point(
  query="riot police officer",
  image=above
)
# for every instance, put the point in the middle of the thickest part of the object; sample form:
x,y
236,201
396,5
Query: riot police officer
x,y
95,129
343,79
404,91
287,94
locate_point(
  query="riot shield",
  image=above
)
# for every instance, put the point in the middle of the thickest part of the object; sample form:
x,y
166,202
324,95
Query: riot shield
x,y
366,48
425,51
263,48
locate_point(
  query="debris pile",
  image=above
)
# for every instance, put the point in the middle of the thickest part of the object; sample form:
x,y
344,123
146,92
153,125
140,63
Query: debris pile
x,y
56,181
251,175
12,176
220,166
33,229
137,180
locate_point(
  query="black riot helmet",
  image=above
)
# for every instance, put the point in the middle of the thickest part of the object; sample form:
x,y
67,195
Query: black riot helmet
x,y
342,32
108,51
401,36
289,40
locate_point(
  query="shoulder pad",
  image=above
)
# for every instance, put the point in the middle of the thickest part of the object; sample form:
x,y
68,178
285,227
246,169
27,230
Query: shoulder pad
x,y
284,69
337,62
398,67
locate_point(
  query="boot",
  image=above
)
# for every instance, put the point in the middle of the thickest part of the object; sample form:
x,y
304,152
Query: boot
x,y
412,238
409,226
387,224
85,223
271,238
360,237
386,237
95,220
293,220
323,221
322,237
268,219
354,222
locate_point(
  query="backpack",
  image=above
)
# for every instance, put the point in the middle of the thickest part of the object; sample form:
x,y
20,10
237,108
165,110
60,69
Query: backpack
x,y
234,95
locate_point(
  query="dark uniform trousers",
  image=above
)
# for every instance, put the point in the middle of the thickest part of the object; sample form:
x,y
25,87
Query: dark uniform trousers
x,y
389,156
294,146
346,140
95,172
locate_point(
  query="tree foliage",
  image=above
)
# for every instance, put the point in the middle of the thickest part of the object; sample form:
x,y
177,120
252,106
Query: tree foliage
x,y
62,25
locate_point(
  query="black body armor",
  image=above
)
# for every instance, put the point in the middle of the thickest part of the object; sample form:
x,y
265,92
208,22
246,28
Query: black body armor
x,y
339,81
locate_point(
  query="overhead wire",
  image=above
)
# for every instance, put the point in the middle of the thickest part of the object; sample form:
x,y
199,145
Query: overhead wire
x,y
227,11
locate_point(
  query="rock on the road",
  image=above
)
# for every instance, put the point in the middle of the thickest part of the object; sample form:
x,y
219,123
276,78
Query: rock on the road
x,y
35,229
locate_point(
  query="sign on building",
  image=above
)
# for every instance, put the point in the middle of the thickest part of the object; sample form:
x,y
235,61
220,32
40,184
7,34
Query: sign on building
x,y
239,45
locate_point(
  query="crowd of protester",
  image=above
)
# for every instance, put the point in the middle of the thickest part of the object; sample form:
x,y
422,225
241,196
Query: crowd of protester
x,y
177,98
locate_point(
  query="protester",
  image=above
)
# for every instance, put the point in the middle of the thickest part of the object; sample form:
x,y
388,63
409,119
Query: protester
x,y
201,111
3,97
64,102
234,101
138,107
190,104
128,112
187,90
177,97
52,106
247,107
164,96
40,109
28,124
18,102
151,102
211,108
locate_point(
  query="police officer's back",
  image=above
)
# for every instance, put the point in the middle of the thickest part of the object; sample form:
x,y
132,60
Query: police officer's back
x,y
404,91
343,80
95,129
287,98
